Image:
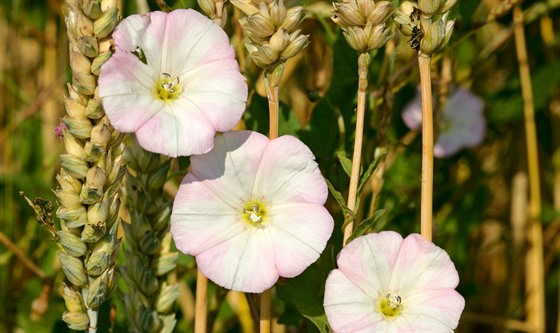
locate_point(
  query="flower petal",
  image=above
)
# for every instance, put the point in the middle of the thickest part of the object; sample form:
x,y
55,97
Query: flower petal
x,y
299,233
200,220
174,132
185,46
348,307
243,263
421,265
434,310
232,164
368,261
289,173
193,40
219,90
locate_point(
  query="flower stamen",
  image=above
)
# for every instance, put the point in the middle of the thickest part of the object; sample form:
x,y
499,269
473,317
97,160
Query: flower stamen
x,y
390,305
254,213
168,89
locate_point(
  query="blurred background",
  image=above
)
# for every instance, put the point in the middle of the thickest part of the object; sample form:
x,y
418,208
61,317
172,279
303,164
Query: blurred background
x,y
481,198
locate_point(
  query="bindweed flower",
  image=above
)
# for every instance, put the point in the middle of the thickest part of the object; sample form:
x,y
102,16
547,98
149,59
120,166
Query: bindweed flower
x,y
174,81
460,124
386,284
251,210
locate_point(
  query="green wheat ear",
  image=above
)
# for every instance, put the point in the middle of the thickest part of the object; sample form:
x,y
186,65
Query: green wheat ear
x,y
92,169
149,297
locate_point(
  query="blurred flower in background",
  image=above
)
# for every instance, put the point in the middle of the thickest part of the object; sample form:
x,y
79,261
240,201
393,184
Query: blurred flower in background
x,y
386,284
460,124
174,81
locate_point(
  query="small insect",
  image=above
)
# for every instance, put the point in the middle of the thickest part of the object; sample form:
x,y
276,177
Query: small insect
x,y
415,38
139,53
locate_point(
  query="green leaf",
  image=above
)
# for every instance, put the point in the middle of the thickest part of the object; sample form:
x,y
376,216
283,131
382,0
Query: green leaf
x,y
340,200
305,292
346,163
370,170
366,224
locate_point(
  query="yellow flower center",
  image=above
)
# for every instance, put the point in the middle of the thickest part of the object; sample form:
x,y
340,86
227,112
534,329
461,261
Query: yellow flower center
x,y
390,306
254,213
167,89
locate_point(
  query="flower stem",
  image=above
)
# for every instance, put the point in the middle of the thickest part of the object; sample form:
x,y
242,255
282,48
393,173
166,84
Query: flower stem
x,y
363,65
272,83
535,303
264,325
200,303
427,178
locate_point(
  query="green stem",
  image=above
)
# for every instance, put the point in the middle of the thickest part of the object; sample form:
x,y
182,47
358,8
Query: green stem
x,y
427,178
535,302
363,65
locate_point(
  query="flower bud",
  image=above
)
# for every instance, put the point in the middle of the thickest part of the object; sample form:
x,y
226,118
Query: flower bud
x,y
73,269
294,17
279,40
277,12
378,37
78,321
246,6
73,300
93,232
68,199
164,263
100,135
68,183
74,107
104,25
258,26
99,289
84,82
264,55
208,7
356,38
161,220
346,16
430,8
88,46
158,178
166,298
74,217
97,213
71,243
297,44
74,166
437,36
92,8
98,61
79,62
381,12
96,177
78,126
72,145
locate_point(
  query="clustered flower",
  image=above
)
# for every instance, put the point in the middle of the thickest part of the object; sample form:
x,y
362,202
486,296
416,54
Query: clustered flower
x,y
251,209
460,123
363,23
415,21
272,31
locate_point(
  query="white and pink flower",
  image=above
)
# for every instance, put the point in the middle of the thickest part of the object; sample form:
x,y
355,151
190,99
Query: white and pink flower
x,y
460,124
385,283
173,80
251,210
